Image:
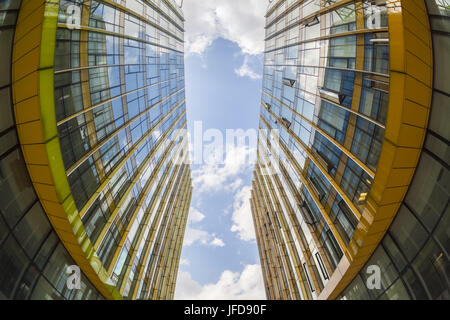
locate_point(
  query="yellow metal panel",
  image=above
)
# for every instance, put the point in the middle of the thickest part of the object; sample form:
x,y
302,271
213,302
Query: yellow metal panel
x,y
31,40
411,137
40,174
35,154
394,114
22,67
39,137
415,114
397,46
417,9
406,157
418,92
61,224
32,19
417,68
28,110
374,239
26,9
392,195
400,177
53,208
414,42
30,132
407,118
26,87
46,192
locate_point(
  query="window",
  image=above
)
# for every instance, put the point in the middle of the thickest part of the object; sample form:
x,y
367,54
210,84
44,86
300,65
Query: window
x,y
322,266
6,120
333,120
433,266
16,191
367,142
408,233
32,229
45,291
344,219
308,278
388,271
13,263
429,192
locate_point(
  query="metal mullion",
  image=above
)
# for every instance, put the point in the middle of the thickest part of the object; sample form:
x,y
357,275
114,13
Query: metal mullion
x,y
323,133
331,36
174,273
115,34
141,200
142,263
290,239
305,251
158,279
123,277
270,252
113,215
317,202
277,244
115,133
123,161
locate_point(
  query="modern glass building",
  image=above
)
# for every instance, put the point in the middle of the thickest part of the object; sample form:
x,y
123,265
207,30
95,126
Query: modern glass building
x,y
352,179
93,160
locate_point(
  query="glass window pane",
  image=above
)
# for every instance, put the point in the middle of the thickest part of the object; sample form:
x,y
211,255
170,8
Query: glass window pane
x,y
394,252
46,250
414,285
388,271
6,39
27,283
408,233
434,268
44,291
429,193
13,263
16,191
32,229
396,292
6,119
442,232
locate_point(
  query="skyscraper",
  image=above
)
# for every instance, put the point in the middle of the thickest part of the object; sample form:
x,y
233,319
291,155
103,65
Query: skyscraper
x,y
350,193
93,170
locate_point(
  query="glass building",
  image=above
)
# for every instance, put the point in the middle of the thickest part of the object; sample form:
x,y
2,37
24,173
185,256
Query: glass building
x,y
350,197
93,164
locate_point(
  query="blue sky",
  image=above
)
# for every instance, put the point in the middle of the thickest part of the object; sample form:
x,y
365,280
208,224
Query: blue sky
x,y
223,90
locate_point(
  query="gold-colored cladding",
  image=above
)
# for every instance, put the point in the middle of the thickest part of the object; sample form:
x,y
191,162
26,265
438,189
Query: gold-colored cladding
x,y
34,107
410,92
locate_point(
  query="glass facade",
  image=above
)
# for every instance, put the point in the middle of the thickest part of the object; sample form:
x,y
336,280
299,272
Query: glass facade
x,y
32,258
119,106
414,256
323,128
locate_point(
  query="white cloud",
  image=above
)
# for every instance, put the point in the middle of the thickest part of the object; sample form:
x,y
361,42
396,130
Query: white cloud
x,y
184,262
217,242
247,285
213,176
195,215
242,215
194,235
197,235
240,21
246,71
236,184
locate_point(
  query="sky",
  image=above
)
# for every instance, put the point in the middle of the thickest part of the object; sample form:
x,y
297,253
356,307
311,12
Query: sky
x,y
223,64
